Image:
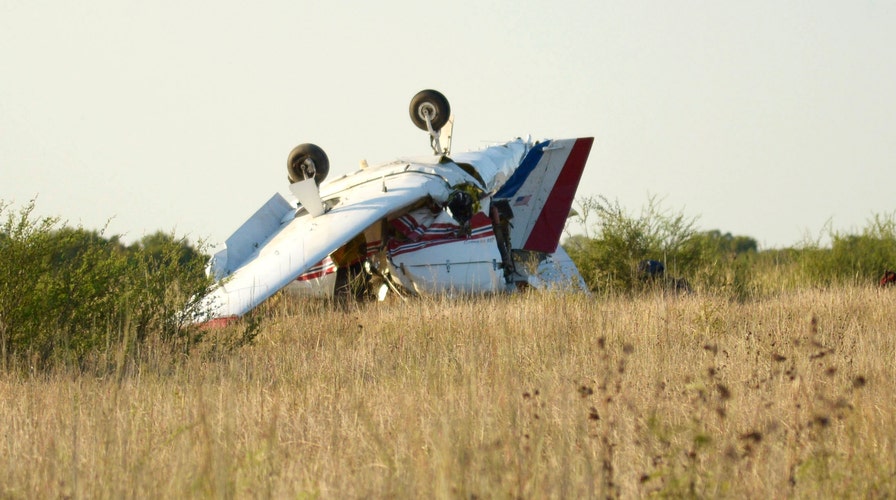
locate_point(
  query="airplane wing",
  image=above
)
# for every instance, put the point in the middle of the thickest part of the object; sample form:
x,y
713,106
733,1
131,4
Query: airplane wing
x,y
296,244
541,191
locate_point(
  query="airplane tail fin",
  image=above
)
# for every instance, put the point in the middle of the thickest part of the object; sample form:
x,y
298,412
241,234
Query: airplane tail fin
x,y
541,191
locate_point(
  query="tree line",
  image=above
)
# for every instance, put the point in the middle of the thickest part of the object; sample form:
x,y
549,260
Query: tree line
x,y
616,241
75,297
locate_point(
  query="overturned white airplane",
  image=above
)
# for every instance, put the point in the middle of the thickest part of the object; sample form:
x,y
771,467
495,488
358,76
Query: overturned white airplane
x,y
478,222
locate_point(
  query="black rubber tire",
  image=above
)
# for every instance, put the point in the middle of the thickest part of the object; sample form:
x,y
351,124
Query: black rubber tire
x,y
437,104
297,158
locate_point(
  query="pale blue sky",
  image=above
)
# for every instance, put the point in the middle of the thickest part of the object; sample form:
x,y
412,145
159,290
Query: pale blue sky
x,y
762,118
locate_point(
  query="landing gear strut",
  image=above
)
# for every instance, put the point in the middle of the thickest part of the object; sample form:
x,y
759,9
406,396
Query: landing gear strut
x,y
430,112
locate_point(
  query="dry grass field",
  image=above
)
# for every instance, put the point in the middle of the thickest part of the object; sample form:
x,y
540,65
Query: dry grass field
x,y
538,396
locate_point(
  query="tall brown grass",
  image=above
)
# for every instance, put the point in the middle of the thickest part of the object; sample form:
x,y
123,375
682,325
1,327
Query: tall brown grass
x,y
530,396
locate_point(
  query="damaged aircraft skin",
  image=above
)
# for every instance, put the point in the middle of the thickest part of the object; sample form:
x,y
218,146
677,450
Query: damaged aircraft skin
x,y
486,221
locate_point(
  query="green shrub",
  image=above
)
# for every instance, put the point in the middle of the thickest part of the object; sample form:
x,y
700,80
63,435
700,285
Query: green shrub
x,y
609,260
70,295
615,241
851,258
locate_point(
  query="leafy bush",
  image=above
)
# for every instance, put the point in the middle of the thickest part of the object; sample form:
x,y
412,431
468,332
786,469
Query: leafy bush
x,y
609,260
70,294
852,258
712,261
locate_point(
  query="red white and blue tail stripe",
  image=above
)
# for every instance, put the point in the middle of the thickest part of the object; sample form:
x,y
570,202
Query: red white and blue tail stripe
x,y
541,192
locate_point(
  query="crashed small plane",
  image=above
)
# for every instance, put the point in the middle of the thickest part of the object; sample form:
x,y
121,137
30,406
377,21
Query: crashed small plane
x,y
485,221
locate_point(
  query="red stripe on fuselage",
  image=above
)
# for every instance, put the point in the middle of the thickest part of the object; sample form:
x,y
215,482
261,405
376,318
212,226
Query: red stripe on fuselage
x,y
548,227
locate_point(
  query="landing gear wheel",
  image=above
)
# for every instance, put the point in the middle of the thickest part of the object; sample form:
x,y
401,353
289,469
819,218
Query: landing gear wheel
x,y
307,161
430,102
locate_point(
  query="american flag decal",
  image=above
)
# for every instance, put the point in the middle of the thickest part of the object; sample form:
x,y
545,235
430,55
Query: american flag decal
x,y
522,200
